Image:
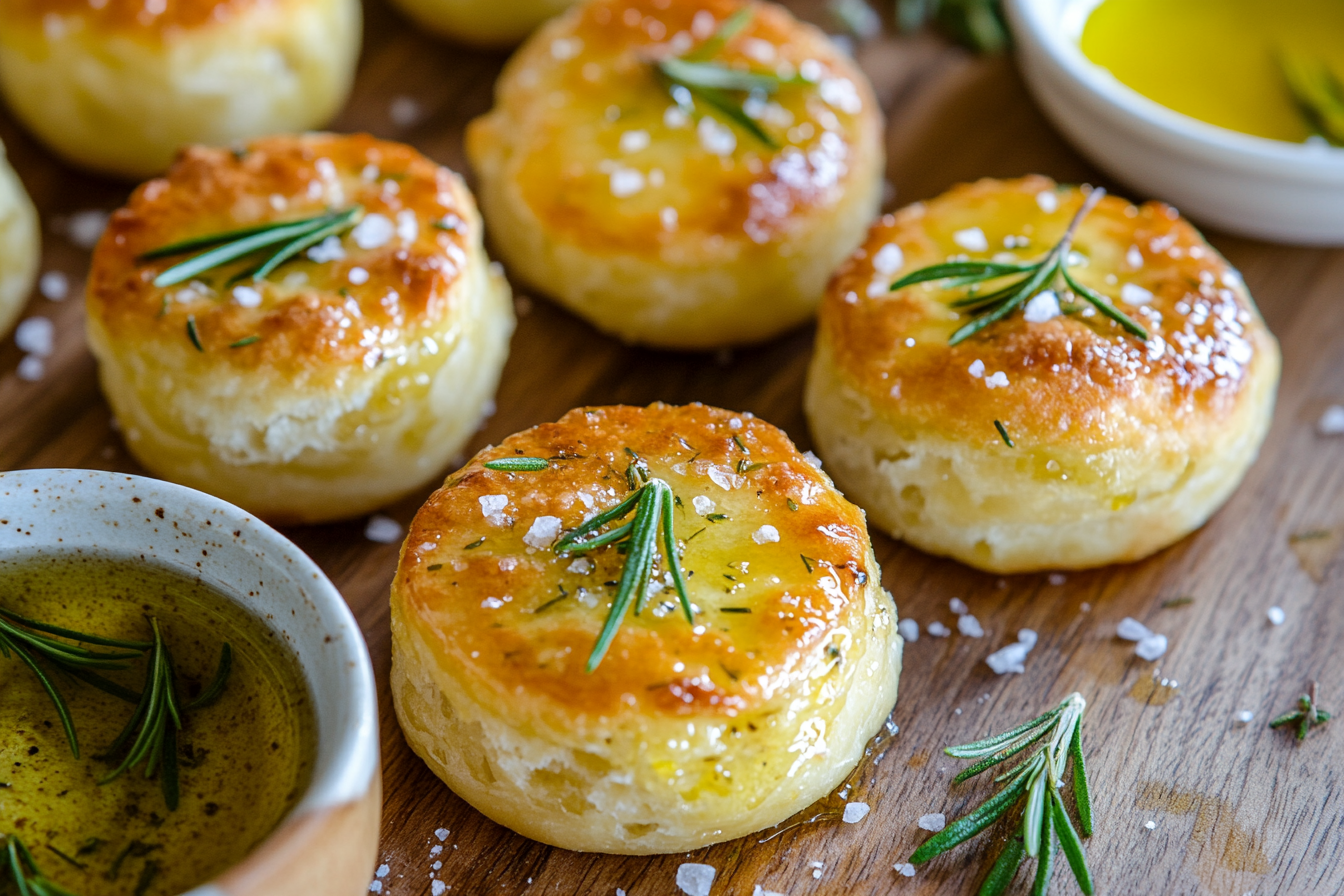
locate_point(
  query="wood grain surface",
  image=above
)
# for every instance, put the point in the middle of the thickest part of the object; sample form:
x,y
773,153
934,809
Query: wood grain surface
x,y
1236,808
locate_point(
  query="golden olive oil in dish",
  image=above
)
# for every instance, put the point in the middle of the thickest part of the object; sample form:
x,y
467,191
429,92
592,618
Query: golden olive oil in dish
x,y
1220,61
243,761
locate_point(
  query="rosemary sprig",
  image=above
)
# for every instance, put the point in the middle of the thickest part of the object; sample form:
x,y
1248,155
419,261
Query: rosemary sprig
x,y
287,238
989,308
713,83
652,504
517,464
977,24
1317,92
1039,777
1305,716
18,865
29,640
1003,434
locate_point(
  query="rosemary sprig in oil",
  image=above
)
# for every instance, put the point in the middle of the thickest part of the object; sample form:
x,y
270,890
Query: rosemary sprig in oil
x,y
1305,717
1039,778
30,640
284,240
1050,272
17,863
1318,94
652,504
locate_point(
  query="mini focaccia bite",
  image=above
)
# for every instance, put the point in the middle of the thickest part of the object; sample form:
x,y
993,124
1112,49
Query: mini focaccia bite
x,y
20,245
1069,422
323,374
119,86
683,175
489,23
668,734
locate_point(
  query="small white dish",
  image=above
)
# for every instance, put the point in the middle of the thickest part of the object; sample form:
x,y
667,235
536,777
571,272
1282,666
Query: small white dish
x,y
1252,186
328,842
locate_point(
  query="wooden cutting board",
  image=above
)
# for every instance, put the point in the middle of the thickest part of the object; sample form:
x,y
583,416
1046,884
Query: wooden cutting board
x,y
1235,808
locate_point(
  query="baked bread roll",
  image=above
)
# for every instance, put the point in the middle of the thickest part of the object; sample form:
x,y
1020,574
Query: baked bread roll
x,y
684,734
679,217
119,86
345,378
488,23
20,245
1121,444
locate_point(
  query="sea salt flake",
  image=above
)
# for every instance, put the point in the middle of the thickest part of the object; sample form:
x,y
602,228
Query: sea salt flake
x,y
1151,647
812,459
1276,615
54,286
1008,659
998,380
626,182
1047,201
1245,716
905,869
889,259
404,111
761,891
969,626
1132,629
442,834
703,505
767,534
716,138
246,297
358,276
1042,307
721,476
86,228
330,249
1057,579
938,630
408,226
909,630
958,606
36,336
581,566
1134,257
376,886
31,368
1027,637
373,232
543,532
1150,825
694,879
1332,421
563,49
382,529
1133,294
977,368
383,871
855,812
437,849
634,141
972,239
934,822
491,505
438,888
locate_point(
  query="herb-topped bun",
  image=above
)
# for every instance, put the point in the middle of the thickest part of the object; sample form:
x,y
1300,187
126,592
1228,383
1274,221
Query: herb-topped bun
x,y
20,249
491,23
118,86
323,374
1058,406
683,175
630,729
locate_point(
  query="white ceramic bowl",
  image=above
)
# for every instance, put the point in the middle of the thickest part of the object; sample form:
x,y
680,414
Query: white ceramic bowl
x,y
1268,189
328,843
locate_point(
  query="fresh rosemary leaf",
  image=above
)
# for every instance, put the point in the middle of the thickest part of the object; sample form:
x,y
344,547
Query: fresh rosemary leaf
x,y
734,112
730,28
1307,715
1101,304
517,464
968,826
215,689
244,342
633,577
1005,868
1068,839
713,76
81,637
1045,862
299,244
793,505
475,544
62,710
1318,93
600,541
981,270
674,558
1031,285
1081,796
154,726
1003,755
204,242
193,334
1003,434
22,868
598,522
1035,812
989,745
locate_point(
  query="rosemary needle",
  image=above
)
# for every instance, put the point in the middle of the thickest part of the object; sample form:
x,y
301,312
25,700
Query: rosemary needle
x,y
1306,716
17,863
989,308
517,464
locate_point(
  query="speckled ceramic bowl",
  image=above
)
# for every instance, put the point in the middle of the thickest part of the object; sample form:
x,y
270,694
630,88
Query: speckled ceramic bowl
x,y
328,843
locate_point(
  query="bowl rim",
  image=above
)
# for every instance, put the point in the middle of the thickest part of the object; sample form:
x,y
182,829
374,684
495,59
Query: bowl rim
x,y
1043,22
345,770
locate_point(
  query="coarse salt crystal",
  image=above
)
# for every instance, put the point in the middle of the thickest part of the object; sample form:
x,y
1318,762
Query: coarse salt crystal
x,y
437,849
1132,629
703,505
1057,578
1150,825
767,534
958,606
938,630
373,232
492,505
1133,294
1134,257
812,459
566,48
31,369
889,259
1151,647
54,286
382,529
1276,615
581,566
999,379
977,368
626,182
972,239
438,888
358,276
86,228
855,812
909,629
1047,201
408,226
934,822
906,869
761,891
330,249
695,879
1332,421
383,871
969,626
841,94
1008,659
1245,716
376,886
404,111
246,297
492,603
1027,636
37,336
543,532
716,138
634,141
1042,307
442,834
